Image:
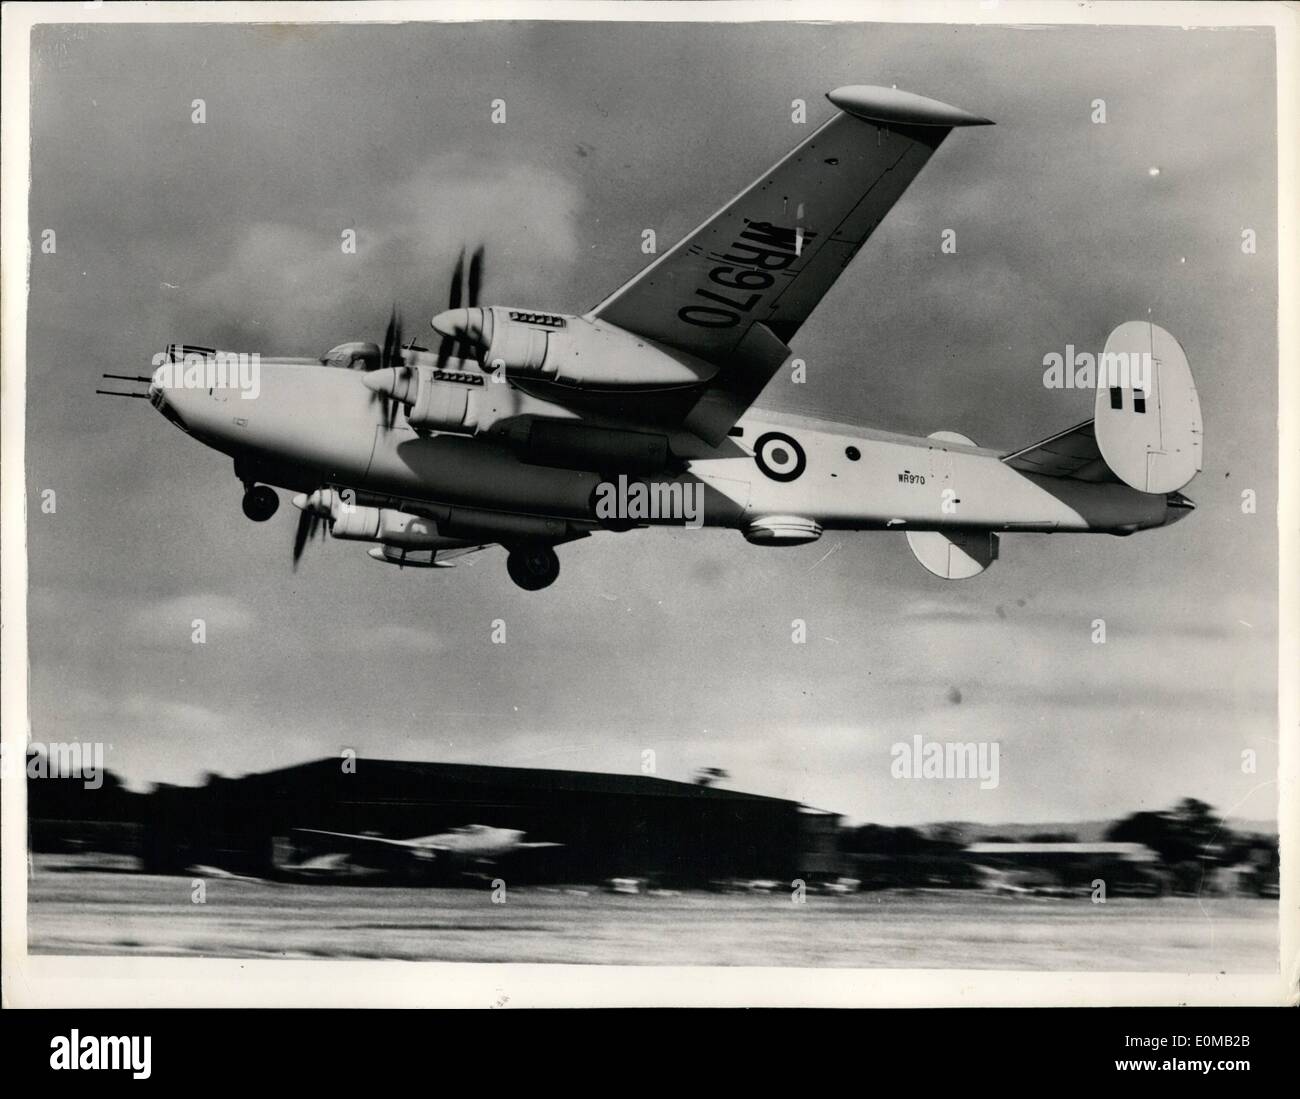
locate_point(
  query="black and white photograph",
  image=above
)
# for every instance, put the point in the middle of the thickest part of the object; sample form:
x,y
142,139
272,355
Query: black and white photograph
x,y
654,491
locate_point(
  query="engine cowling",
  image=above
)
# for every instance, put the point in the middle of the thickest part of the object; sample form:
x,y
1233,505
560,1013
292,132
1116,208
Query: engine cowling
x,y
458,401
569,350
540,432
389,526
355,522
442,404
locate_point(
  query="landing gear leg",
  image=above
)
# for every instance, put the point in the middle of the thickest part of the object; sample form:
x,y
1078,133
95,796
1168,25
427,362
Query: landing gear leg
x,y
533,567
260,502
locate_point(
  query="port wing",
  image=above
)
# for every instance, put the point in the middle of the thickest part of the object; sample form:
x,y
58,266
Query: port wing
x,y
736,289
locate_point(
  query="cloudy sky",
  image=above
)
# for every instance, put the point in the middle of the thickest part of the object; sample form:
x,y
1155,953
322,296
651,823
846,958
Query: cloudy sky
x,y
227,234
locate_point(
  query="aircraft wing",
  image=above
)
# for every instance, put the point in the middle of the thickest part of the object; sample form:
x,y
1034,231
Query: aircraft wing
x,y
735,290
355,840
336,862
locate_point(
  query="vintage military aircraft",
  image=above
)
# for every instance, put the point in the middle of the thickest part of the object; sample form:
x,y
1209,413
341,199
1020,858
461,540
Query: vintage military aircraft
x,y
470,841
460,850
516,429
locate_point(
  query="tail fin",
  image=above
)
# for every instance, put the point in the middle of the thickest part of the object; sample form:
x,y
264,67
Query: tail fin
x,y
1147,427
1148,416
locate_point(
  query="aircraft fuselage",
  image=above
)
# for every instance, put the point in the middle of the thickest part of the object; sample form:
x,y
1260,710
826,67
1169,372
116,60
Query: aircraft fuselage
x,y
315,425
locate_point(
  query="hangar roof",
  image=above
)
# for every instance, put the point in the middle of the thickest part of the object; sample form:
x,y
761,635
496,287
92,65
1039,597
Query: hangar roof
x,y
403,772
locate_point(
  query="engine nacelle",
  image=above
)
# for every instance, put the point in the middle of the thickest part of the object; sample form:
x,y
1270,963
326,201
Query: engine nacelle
x,y
387,525
458,401
353,522
443,404
570,350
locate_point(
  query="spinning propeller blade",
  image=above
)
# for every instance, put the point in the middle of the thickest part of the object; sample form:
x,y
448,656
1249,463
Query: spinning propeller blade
x,y
464,292
310,524
475,275
389,357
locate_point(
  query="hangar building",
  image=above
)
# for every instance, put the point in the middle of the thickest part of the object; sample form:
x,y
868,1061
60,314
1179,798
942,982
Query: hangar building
x,y
609,825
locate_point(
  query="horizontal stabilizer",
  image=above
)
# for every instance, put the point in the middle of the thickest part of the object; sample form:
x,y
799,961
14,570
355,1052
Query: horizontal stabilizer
x,y
1071,453
954,555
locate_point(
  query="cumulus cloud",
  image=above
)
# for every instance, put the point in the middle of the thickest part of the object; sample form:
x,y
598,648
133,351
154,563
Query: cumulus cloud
x,y
290,286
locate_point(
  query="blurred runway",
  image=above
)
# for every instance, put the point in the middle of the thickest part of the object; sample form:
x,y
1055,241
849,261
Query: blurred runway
x,y
94,912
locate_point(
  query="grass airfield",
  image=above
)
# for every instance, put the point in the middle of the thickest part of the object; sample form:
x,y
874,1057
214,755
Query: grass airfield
x,y
88,912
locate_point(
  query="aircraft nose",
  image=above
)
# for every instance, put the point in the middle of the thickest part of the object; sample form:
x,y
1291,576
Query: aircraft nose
x,y
157,384
166,396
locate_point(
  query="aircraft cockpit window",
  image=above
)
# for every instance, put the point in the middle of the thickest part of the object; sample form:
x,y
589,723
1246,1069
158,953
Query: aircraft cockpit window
x,y
352,356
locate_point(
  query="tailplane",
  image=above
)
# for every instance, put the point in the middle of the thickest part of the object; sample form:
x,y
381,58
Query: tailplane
x,y
1146,434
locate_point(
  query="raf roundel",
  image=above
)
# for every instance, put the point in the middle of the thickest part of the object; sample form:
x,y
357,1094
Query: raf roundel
x,y
779,456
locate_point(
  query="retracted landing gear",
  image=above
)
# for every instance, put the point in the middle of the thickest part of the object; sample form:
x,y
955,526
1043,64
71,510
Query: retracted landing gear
x,y
533,567
260,503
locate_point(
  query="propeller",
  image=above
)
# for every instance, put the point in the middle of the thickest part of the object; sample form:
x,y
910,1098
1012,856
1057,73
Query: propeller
x,y
461,290
391,381
311,524
390,357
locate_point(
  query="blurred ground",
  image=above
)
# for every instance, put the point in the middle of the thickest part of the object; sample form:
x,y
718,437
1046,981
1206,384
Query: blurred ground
x,y
96,912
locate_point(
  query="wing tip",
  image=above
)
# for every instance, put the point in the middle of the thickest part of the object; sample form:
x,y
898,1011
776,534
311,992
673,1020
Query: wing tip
x,y
890,105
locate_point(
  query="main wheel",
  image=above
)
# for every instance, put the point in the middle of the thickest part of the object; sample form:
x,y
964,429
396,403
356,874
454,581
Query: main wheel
x,y
260,503
533,567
